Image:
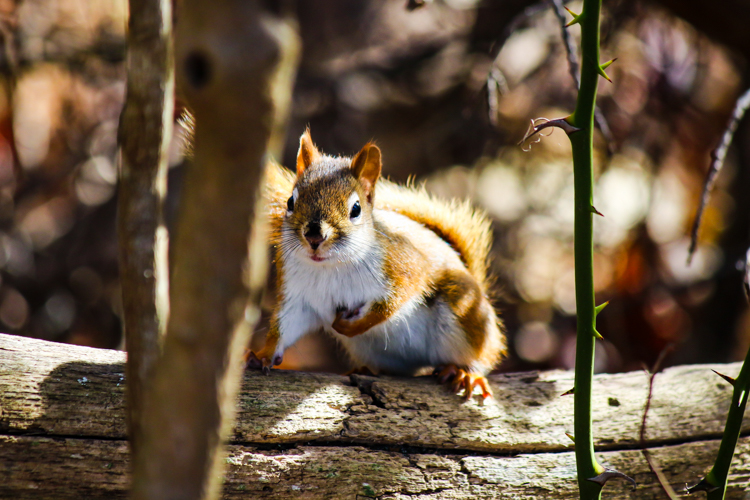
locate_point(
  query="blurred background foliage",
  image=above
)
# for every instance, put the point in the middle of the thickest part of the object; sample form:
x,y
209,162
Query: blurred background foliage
x,y
447,91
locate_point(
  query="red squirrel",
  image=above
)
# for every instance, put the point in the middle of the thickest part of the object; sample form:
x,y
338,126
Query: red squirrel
x,y
397,276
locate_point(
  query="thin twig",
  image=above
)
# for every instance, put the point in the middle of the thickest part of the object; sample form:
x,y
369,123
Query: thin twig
x,y
570,50
660,477
497,85
570,47
8,28
717,161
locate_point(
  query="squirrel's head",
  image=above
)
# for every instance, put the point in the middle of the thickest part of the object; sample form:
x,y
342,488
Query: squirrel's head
x,y
329,215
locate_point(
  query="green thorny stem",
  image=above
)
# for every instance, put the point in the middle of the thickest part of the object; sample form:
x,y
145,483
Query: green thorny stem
x,y
583,157
715,482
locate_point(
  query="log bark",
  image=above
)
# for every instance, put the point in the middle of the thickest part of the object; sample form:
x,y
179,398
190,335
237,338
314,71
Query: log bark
x,y
63,433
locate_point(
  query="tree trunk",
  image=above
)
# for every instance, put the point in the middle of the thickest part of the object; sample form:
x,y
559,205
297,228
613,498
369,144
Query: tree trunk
x,y
144,135
235,62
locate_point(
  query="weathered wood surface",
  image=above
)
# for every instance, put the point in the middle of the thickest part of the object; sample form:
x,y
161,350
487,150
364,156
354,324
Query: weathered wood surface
x,y
62,432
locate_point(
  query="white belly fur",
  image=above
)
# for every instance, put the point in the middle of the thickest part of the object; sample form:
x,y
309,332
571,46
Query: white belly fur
x,y
417,336
320,289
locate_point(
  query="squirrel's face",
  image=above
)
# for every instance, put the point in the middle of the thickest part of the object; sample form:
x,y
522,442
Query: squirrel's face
x,y
329,214
329,217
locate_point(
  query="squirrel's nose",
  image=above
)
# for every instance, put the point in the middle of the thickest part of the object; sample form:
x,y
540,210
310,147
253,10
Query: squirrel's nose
x,y
314,236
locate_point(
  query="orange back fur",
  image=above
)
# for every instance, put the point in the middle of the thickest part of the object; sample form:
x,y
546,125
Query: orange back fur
x,y
467,229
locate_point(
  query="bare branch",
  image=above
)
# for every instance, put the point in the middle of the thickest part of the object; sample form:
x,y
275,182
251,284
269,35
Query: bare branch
x,y
663,482
717,161
496,86
570,48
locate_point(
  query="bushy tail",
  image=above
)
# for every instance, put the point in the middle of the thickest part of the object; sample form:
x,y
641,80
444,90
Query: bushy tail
x,y
467,229
279,183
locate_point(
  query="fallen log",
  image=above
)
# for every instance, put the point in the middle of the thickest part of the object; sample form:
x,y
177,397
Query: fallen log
x,y
312,435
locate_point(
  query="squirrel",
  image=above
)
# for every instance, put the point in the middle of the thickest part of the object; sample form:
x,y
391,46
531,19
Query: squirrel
x,y
397,276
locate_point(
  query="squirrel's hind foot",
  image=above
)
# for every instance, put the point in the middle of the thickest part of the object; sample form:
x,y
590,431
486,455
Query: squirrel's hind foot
x,y
457,378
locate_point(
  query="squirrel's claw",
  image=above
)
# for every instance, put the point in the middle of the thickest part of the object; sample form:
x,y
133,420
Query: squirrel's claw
x,y
461,379
261,363
474,380
352,314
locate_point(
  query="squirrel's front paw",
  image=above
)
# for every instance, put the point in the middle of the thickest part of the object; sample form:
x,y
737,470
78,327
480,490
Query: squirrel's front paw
x,y
261,362
348,322
343,326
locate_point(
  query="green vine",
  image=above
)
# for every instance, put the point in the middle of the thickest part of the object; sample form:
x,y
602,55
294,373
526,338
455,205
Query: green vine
x,y
715,482
583,171
580,129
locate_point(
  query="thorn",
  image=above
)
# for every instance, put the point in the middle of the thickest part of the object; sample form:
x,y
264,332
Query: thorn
x,y
599,308
571,436
605,476
566,125
601,72
568,392
561,123
595,211
725,377
598,335
703,485
576,18
608,63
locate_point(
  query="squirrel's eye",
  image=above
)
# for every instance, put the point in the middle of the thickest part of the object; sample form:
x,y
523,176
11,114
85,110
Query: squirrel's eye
x,y
290,204
356,210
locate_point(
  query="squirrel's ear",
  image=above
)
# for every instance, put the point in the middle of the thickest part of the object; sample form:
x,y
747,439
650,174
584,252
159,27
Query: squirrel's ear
x,y
366,167
307,153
